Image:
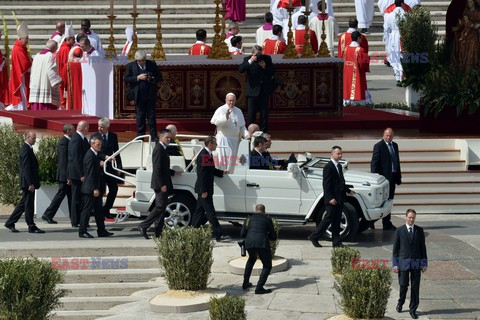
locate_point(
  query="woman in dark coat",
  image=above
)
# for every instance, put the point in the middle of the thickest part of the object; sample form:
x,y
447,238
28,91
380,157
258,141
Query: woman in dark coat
x,y
258,231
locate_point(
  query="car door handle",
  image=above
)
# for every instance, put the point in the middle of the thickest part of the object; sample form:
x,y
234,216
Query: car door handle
x,y
254,185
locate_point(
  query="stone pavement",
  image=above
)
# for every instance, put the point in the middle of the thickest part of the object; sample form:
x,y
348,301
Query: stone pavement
x,y
450,289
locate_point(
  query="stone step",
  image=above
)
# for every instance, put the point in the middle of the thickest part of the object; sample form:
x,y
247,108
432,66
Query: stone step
x,y
95,303
81,314
416,166
106,289
105,263
400,209
111,275
437,188
437,199
463,176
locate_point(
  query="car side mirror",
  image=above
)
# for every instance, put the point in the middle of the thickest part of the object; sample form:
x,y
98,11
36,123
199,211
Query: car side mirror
x,y
293,169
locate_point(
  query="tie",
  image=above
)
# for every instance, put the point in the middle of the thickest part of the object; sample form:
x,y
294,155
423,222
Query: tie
x,y
392,155
340,171
105,139
85,140
410,233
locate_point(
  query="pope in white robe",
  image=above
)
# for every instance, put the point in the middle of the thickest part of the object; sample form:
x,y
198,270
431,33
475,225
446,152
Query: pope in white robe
x,y
230,129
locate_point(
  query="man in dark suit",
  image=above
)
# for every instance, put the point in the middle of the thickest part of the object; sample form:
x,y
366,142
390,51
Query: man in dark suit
x,y
257,156
260,85
386,161
258,231
334,191
29,181
64,184
77,148
109,146
143,76
91,190
206,172
161,183
409,261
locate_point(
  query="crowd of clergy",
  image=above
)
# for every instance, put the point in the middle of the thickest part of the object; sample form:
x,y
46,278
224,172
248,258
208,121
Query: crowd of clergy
x,y
53,78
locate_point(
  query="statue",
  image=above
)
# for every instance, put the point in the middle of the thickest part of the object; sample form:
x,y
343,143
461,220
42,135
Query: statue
x,y
466,43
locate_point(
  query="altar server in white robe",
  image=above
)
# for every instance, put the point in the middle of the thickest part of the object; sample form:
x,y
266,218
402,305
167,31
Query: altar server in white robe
x,y
230,129
331,27
394,48
280,16
128,43
364,10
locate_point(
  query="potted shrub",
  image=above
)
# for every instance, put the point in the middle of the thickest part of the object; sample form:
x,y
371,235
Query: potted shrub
x,y
29,289
10,144
47,171
227,308
418,43
342,259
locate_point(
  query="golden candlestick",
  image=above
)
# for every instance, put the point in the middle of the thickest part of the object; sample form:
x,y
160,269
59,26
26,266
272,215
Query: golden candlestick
x,y
307,51
290,52
219,47
110,53
323,51
158,53
133,48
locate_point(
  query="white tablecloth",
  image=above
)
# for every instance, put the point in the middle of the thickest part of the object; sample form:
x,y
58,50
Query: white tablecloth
x,y
97,84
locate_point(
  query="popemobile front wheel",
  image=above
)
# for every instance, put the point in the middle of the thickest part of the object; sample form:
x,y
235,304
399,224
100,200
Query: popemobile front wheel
x,y
348,223
179,211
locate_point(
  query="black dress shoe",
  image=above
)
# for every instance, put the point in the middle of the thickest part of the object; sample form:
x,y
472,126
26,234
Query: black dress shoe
x,y
12,228
35,230
143,232
48,220
74,225
413,314
245,286
262,291
399,307
223,238
104,234
85,235
314,242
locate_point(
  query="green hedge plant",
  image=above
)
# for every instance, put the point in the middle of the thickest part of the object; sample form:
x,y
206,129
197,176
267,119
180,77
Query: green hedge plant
x,y
274,243
342,259
28,289
186,257
364,293
10,144
47,158
227,308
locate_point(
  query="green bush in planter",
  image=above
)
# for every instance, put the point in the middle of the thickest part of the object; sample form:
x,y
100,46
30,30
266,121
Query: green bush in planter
x,y
342,259
227,308
28,289
47,158
10,144
274,243
364,293
185,255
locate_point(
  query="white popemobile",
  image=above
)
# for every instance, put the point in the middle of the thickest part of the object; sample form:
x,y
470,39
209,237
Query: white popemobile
x,y
293,196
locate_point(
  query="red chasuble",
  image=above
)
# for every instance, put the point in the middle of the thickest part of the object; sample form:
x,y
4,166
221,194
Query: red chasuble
x,y
286,3
62,59
354,73
271,46
74,85
4,96
21,64
199,49
346,38
299,40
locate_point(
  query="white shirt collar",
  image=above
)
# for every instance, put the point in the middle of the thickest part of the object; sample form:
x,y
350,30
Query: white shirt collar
x,y
274,37
94,151
300,27
334,162
164,146
208,150
351,30
354,44
31,147
408,226
199,42
81,135
67,137
388,143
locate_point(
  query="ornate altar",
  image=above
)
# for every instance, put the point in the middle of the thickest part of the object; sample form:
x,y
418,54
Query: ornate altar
x,y
193,87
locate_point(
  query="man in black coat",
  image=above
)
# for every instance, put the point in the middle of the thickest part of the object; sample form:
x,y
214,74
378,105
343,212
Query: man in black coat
x,y
386,161
258,231
143,76
161,183
260,85
109,146
91,191
64,184
258,160
334,191
409,260
29,181
206,172
77,148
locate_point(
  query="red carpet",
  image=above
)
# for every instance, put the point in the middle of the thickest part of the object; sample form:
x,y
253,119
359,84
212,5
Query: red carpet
x,y
354,118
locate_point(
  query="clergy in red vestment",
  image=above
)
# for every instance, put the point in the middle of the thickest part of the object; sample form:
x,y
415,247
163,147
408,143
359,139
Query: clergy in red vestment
x,y
4,97
21,62
357,64
236,10
62,60
299,36
74,79
345,38
274,44
392,7
200,48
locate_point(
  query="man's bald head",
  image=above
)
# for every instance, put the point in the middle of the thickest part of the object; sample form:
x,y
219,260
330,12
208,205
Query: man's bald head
x,y
60,27
173,130
82,127
252,128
